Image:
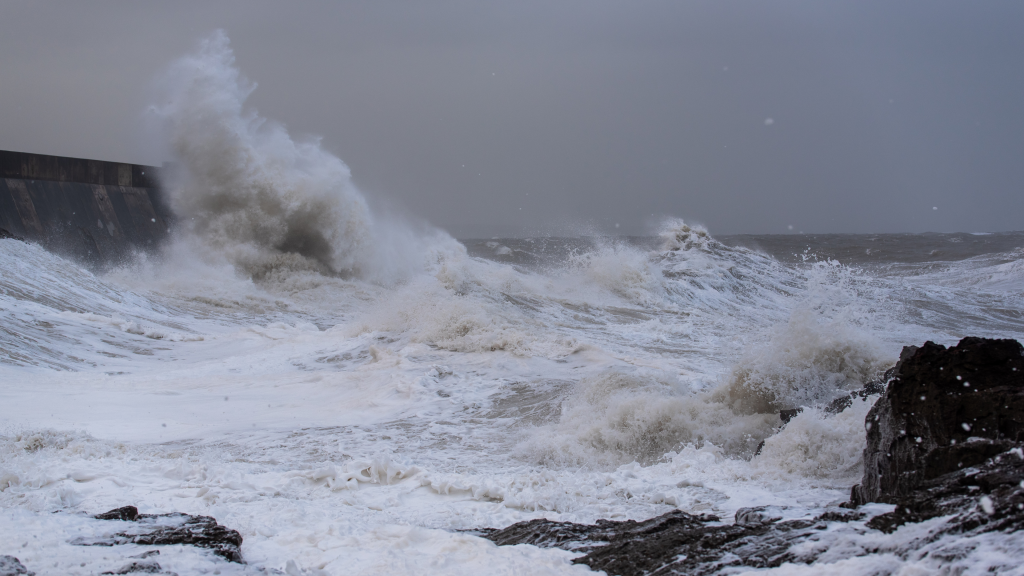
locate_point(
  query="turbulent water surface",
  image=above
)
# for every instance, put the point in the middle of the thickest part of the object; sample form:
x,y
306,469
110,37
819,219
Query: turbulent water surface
x,y
356,395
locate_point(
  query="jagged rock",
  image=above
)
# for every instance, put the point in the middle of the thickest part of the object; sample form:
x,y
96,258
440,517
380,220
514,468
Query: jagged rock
x,y
985,498
675,543
11,566
787,415
757,516
585,537
944,409
988,498
872,388
843,402
946,439
164,529
128,513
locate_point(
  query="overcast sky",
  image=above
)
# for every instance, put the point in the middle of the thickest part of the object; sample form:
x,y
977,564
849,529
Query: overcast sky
x,y
521,117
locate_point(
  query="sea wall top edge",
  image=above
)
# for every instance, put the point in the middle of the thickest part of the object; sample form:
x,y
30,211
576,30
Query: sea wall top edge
x,y
29,166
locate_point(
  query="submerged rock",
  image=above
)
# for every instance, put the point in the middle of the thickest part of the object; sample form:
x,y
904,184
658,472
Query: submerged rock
x,y
174,528
11,566
140,567
945,439
872,388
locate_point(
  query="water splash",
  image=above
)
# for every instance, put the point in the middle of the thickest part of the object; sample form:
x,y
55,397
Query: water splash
x,y
244,188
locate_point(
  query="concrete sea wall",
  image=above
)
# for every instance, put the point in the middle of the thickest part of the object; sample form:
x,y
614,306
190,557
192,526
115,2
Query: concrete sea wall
x,y
91,210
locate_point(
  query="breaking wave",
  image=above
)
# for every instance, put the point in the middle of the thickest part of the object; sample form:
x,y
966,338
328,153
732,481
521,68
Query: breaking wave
x,y
244,190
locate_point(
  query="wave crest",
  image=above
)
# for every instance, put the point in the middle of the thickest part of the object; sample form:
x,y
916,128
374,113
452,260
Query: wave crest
x,y
244,186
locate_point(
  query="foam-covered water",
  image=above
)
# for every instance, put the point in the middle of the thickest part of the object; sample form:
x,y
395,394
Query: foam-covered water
x,y
349,391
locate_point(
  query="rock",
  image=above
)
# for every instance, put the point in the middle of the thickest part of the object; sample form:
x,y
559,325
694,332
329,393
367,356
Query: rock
x,y
787,415
946,439
944,410
872,388
128,513
675,543
585,537
986,498
164,529
843,402
757,516
11,566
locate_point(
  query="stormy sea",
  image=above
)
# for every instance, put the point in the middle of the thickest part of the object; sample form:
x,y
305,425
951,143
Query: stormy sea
x,y
359,394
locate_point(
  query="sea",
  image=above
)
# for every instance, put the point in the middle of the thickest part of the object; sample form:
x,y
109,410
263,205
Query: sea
x,y
356,393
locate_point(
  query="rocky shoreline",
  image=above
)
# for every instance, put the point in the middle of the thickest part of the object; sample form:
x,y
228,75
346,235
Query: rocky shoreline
x,y
944,456
945,442
151,530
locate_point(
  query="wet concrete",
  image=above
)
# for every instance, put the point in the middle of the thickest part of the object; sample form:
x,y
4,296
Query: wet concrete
x,y
92,210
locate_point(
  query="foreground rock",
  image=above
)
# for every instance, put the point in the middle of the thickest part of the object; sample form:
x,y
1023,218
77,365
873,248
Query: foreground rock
x,y
165,529
677,542
984,498
944,410
946,439
11,566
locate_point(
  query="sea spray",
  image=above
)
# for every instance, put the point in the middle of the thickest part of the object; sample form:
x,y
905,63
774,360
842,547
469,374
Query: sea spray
x,y
245,191
573,393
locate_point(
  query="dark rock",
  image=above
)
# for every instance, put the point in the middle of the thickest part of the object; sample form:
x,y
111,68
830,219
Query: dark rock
x,y
128,513
841,403
787,415
704,550
11,566
905,354
757,516
986,498
675,543
944,410
872,388
175,528
585,537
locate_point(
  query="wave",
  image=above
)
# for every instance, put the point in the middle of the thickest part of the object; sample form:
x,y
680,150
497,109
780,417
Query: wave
x,y
247,192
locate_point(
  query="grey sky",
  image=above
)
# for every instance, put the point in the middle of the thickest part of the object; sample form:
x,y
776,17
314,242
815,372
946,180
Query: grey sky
x,y
572,116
